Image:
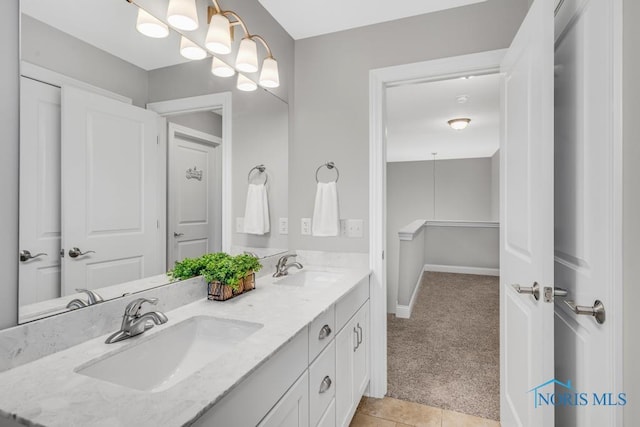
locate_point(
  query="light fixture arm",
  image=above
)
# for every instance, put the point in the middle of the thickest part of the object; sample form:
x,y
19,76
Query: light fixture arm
x,y
264,43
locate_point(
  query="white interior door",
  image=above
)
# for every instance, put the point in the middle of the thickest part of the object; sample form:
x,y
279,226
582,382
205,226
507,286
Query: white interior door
x,y
39,278
587,208
110,182
194,193
526,216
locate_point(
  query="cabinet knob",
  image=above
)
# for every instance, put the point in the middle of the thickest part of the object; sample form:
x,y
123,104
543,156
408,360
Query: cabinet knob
x,y
325,384
324,332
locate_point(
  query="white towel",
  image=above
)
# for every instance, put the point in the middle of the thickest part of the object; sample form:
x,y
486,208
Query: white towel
x,y
256,212
326,217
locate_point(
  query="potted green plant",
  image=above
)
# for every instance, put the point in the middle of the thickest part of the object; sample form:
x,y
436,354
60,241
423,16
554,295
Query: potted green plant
x,y
226,275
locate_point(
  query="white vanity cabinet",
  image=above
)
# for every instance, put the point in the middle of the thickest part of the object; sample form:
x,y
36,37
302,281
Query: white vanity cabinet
x,y
315,380
352,365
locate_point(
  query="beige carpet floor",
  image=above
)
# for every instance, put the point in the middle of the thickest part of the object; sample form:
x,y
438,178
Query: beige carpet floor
x,y
447,355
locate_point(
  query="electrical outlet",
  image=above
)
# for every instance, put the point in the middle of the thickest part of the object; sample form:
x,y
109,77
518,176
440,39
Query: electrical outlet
x,y
240,224
354,227
305,226
283,225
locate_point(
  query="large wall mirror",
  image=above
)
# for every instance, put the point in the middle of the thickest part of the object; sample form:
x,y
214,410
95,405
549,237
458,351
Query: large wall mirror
x,y
119,178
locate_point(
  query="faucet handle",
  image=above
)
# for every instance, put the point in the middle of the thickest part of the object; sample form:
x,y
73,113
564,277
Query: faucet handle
x,y
284,258
133,308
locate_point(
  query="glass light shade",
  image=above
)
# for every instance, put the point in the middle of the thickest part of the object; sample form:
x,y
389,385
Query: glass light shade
x,y
269,74
183,14
246,84
459,124
220,69
190,50
150,26
219,35
247,59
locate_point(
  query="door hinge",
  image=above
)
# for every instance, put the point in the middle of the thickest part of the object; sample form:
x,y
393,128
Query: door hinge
x,y
382,254
158,224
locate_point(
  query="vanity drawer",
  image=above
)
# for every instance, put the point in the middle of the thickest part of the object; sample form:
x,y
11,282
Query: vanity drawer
x,y
329,417
350,303
321,332
322,376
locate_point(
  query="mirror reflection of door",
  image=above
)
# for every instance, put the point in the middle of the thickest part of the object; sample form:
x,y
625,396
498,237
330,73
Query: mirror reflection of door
x,y
193,193
39,191
104,153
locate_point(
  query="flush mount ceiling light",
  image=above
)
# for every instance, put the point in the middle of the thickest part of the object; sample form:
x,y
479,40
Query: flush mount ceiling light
x,y
459,124
183,14
150,26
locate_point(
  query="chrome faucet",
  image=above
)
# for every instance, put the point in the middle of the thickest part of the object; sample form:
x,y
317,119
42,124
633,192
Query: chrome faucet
x,y
282,268
92,298
134,323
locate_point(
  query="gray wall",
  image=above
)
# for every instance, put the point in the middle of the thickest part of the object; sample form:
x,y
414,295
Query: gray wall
x,y
463,246
331,107
9,118
631,213
204,121
463,192
50,48
495,186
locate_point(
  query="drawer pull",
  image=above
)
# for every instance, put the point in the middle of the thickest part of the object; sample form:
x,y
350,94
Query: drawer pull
x,y
359,335
324,332
357,343
325,384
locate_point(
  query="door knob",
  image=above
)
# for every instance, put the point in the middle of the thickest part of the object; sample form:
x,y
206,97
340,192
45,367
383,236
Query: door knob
x,y
596,311
25,255
533,290
76,252
177,234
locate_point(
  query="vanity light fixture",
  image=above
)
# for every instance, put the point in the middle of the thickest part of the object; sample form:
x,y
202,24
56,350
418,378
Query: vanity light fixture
x,y
218,38
220,68
150,26
183,14
245,84
269,75
190,50
247,59
459,124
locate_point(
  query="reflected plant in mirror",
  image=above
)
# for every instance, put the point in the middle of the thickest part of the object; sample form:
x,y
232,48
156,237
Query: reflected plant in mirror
x,y
117,183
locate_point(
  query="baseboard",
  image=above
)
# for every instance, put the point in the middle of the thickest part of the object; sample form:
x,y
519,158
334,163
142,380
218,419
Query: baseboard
x,y
404,311
462,270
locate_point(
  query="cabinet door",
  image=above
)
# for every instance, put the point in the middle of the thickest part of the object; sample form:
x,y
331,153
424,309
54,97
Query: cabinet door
x,y
346,347
293,409
361,355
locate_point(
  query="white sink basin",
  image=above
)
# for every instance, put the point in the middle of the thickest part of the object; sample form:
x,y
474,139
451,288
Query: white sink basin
x,y
170,356
310,278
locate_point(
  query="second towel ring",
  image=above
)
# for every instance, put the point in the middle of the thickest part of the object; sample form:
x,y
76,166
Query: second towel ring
x,y
328,165
261,169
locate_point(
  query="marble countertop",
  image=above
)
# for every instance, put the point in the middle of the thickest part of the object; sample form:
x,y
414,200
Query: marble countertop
x,y
48,391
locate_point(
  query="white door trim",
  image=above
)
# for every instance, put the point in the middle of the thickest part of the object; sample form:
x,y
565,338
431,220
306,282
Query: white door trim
x,y
379,79
207,103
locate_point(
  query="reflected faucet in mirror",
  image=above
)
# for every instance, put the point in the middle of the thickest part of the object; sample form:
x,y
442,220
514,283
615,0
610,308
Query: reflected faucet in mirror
x,y
134,323
282,268
92,298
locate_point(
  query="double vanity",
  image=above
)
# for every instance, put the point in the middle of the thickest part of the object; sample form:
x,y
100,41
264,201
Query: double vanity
x,y
292,352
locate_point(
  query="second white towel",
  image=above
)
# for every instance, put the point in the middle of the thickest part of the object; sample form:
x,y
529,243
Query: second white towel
x,y
256,212
326,215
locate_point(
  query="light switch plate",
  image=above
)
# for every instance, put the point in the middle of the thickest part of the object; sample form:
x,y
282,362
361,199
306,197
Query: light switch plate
x,y
283,225
305,226
354,227
240,224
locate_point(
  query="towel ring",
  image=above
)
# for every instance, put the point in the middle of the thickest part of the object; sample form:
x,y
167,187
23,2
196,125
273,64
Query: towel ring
x,y
261,169
329,165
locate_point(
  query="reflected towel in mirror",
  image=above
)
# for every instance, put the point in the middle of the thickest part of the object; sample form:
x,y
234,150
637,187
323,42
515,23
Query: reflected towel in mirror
x,y
256,213
326,216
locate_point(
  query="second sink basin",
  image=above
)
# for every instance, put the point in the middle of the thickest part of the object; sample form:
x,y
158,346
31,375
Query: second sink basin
x,y
310,278
170,356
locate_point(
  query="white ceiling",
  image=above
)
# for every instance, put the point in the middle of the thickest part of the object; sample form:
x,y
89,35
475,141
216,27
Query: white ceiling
x,y
417,116
109,25
302,19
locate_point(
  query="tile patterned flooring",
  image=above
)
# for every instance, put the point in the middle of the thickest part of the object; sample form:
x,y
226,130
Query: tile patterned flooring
x,y
389,412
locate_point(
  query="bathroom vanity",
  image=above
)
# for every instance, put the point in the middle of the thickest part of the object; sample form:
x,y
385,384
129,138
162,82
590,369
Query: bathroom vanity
x,y
294,351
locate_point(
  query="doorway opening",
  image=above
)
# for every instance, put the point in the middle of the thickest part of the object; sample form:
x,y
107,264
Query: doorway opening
x,y
441,215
